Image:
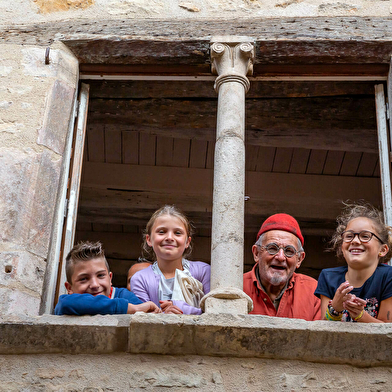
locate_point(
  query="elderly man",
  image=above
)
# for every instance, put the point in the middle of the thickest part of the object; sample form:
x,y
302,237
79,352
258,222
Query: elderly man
x,y
276,290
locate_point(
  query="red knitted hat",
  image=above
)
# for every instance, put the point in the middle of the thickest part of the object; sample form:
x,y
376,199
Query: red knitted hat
x,y
283,222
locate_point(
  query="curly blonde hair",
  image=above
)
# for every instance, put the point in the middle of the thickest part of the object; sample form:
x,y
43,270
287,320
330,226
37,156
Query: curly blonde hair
x,y
361,210
147,250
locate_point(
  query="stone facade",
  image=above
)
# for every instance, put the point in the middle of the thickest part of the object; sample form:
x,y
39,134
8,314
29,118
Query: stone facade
x,y
36,95
32,143
206,353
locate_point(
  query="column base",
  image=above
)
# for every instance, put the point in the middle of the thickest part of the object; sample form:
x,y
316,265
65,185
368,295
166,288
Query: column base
x,y
226,300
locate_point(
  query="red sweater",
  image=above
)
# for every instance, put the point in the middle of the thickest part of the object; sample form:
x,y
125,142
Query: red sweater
x,y
298,301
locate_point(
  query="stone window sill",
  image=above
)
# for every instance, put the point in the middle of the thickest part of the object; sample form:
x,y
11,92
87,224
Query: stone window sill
x,y
208,334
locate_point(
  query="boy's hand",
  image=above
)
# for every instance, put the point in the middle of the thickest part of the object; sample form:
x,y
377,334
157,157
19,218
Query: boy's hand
x,y
146,307
168,307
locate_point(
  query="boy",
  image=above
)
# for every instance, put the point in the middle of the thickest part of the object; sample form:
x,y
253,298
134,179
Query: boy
x,y
89,286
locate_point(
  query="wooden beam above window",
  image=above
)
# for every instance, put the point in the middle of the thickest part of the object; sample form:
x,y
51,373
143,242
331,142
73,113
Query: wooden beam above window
x,y
179,42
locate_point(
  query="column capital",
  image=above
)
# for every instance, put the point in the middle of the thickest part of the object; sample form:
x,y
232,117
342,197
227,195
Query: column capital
x,y
232,59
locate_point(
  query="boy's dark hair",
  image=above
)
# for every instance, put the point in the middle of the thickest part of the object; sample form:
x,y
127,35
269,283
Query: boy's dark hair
x,y
83,251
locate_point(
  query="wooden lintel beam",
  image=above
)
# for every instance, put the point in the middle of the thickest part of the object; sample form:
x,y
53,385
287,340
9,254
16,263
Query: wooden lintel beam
x,y
169,41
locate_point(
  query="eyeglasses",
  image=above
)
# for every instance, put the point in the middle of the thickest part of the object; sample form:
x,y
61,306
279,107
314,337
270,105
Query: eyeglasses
x,y
273,249
364,236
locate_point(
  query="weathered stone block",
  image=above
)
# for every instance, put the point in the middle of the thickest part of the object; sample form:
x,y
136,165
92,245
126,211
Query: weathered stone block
x,y
22,268
166,377
231,306
55,334
17,172
14,301
62,5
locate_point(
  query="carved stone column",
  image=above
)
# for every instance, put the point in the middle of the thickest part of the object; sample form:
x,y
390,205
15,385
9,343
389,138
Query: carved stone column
x,y
232,59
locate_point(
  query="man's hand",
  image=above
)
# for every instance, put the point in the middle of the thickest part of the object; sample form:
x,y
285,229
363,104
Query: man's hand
x,y
146,307
168,307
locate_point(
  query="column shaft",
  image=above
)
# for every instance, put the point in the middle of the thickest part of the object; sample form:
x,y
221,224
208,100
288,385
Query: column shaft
x,y
229,184
232,60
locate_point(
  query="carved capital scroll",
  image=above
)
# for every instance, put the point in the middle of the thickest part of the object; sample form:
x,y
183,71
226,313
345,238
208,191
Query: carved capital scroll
x,y
232,61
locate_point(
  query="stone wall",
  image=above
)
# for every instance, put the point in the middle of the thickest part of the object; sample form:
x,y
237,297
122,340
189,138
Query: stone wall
x,y
35,106
40,10
128,372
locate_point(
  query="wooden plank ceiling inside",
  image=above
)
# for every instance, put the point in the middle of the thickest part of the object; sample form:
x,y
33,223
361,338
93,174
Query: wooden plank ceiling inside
x,y
309,145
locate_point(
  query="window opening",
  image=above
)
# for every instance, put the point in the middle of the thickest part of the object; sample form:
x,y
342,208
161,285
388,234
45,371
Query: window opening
x,y
147,116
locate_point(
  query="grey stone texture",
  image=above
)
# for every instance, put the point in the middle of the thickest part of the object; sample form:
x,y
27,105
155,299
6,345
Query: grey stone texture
x,y
125,372
40,11
246,336
35,109
206,353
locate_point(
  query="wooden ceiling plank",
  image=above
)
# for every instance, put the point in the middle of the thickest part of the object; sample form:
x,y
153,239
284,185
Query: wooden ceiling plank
x,y
251,157
181,149
350,163
96,143
130,147
100,226
282,160
117,228
266,159
333,163
367,165
130,229
316,162
113,146
198,154
164,151
210,155
147,148
300,160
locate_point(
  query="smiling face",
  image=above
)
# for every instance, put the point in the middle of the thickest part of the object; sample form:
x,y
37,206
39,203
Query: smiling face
x,y
168,238
360,255
91,277
276,270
